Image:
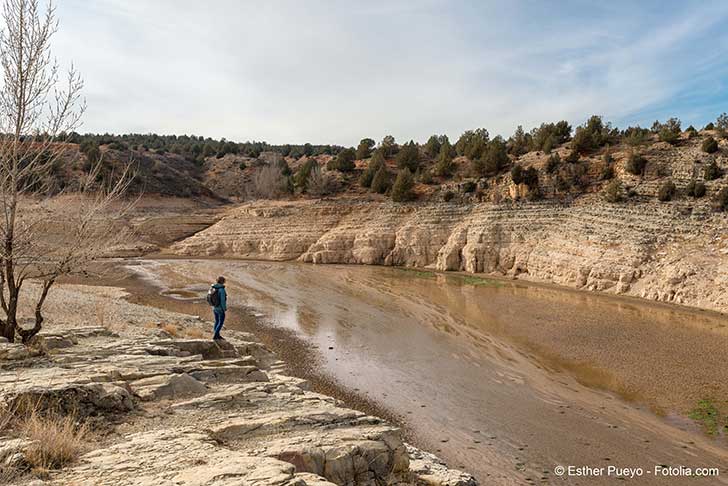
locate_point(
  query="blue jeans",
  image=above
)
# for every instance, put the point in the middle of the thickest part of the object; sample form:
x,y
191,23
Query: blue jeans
x,y
219,321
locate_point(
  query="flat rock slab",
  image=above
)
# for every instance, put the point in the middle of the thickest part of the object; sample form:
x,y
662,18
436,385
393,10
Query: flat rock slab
x,y
181,458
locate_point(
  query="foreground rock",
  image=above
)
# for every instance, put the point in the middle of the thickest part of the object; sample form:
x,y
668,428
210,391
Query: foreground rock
x,y
197,412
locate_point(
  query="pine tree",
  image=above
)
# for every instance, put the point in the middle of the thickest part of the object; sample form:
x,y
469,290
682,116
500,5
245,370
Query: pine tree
x,y
402,188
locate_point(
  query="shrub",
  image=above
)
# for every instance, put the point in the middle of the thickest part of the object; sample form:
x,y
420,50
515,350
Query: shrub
x,y
364,149
473,143
425,176
55,440
447,196
403,185
553,163
550,135
593,134
573,157
242,165
613,191
344,161
388,146
712,172
468,187
692,132
669,131
381,181
444,165
376,163
432,147
519,142
667,191
695,189
409,157
319,184
635,136
720,201
636,164
270,183
709,126
721,124
710,145
607,172
301,177
494,159
528,176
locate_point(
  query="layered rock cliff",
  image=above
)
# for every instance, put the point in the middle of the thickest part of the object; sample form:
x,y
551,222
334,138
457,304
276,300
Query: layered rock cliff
x,y
675,252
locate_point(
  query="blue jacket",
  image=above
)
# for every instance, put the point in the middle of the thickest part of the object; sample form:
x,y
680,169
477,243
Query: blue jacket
x,y
223,297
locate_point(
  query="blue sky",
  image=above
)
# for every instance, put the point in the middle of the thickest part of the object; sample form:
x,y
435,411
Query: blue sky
x,y
337,71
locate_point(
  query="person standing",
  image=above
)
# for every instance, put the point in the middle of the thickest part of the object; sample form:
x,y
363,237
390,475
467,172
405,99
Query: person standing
x,y
217,298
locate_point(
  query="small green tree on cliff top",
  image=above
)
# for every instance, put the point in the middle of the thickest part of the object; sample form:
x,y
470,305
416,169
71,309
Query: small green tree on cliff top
x,y
402,190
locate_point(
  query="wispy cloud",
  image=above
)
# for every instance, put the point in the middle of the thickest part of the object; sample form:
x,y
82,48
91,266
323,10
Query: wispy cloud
x,y
336,71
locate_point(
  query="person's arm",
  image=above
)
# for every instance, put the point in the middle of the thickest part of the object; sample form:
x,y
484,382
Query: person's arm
x,y
223,299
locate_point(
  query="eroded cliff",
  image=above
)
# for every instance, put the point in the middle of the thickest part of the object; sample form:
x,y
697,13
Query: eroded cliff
x,y
674,252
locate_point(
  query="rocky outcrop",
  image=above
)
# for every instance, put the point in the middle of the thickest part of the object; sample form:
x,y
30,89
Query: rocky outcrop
x,y
203,412
676,252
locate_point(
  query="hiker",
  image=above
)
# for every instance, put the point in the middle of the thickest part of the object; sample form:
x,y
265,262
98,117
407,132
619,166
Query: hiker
x,y
217,298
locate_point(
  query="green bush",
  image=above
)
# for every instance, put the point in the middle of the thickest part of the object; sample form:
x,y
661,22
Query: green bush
x,y
550,135
519,142
381,181
593,134
636,164
667,191
432,147
613,191
402,190
712,172
695,189
525,176
409,157
473,143
553,162
710,145
300,180
669,131
635,136
709,126
344,161
720,201
364,150
494,159
469,186
573,157
607,172
444,165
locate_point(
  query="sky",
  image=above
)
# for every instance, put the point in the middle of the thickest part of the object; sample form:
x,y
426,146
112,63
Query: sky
x,y
295,71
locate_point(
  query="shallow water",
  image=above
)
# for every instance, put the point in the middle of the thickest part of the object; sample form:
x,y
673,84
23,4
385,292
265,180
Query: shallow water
x,y
505,380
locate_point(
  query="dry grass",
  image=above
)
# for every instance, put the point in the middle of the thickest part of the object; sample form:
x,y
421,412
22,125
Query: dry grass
x,y
194,333
56,440
171,329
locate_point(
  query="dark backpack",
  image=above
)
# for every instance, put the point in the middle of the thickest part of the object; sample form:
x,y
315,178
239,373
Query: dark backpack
x,y
213,296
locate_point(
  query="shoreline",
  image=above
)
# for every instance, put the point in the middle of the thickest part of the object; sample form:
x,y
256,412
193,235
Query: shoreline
x,y
302,360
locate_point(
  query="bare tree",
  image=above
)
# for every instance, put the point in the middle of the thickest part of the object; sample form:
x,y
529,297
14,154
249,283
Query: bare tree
x,y
41,237
320,183
270,182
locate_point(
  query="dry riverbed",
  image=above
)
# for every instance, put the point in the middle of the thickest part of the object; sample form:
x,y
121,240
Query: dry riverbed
x,y
166,405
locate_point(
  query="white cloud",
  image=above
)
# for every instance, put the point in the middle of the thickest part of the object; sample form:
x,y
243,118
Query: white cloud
x,y
334,72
